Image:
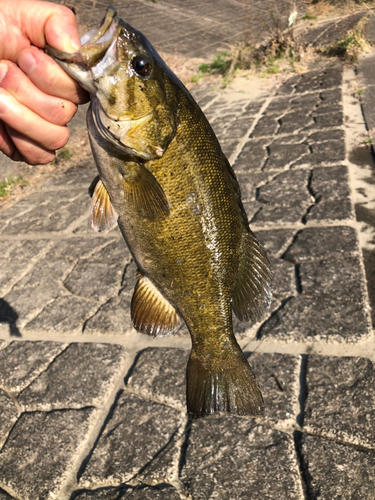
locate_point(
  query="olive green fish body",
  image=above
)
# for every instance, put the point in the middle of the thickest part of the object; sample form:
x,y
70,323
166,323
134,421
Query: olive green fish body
x,y
162,172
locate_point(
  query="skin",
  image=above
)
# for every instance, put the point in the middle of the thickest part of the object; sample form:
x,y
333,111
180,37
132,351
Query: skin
x,y
37,98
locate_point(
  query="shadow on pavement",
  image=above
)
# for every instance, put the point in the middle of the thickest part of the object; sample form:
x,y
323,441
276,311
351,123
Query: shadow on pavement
x,y
10,316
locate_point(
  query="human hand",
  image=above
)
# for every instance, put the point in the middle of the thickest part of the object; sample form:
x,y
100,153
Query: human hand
x,y
37,98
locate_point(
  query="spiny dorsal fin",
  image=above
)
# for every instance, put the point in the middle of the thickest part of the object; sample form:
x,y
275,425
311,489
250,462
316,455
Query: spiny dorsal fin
x,y
151,313
103,215
252,291
143,192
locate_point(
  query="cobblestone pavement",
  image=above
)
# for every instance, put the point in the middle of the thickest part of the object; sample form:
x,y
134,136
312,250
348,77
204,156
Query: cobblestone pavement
x,y
92,410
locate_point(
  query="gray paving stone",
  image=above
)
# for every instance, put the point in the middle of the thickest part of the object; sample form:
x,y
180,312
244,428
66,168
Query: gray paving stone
x,y
307,101
159,374
112,318
346,384
95,279
278,378
336,471
318,319
330,183
78,248
331,210
283,278
319,80
4,495
142,492
252,156
278,105
21,362
285,198
327,121
80,175
325,152
275,241
289,139
323,243
9,415
326,136
283,155
45,445
136,432
16,257
289,85
80,377
228,458
249,183
294,122
267,125
21,305
342,279
286,188
331,96
48,216
48,270
66,314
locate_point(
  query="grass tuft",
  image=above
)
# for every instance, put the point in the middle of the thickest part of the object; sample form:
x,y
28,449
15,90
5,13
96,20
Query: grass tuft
x,y
9,184
62,154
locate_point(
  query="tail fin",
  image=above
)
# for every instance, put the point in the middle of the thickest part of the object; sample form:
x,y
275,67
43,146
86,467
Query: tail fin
x,y
224,384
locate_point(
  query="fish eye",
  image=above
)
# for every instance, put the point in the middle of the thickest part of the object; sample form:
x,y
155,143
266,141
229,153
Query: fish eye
x,y
141,65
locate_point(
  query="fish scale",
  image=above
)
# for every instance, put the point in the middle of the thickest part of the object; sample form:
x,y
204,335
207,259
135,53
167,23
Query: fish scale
x,y
163,176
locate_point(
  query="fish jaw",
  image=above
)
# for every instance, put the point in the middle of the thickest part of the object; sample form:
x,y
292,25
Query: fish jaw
x,y
95,56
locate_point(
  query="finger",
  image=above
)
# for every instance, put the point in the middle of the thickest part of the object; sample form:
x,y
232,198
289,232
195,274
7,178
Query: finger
x,y
53,109
49,77
6,144
31,125
45,22
30,151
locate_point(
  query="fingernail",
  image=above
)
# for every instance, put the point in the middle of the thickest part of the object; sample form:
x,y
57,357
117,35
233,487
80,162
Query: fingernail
x,y
3,71
75,43
27,63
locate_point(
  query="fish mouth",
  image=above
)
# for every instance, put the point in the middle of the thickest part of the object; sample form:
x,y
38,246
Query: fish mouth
x,y
96,54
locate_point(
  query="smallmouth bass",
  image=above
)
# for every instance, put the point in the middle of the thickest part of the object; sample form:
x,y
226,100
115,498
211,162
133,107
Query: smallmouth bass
x,y
164,179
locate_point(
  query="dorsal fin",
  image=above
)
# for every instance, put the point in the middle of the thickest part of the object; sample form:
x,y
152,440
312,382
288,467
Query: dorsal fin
x,y
252,291
103,215
151,313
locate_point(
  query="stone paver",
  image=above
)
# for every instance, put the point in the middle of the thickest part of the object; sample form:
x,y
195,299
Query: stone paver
x,y
94,411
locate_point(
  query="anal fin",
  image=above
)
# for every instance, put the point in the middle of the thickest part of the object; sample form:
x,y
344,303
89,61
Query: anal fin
x,y
252,292
151,313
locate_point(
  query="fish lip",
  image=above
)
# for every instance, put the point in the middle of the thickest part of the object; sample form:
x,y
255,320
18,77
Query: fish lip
x,y
95,36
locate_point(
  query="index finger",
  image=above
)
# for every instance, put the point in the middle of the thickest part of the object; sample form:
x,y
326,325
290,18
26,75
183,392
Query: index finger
x,y
47,75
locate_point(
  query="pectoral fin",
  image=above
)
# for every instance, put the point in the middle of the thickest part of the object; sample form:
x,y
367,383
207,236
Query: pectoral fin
x,y
103,215
143,192
252,292
151,313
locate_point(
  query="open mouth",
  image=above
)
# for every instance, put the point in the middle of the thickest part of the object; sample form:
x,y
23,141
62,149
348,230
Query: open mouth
x,y
95,44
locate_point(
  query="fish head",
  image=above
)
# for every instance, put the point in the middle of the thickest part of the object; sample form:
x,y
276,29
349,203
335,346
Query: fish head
x,y
134,104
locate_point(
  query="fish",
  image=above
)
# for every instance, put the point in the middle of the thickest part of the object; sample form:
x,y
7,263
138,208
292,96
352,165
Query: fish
x,y
163,177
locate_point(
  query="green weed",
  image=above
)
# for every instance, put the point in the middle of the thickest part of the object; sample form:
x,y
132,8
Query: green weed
x,y
62,154
8,184
308,17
